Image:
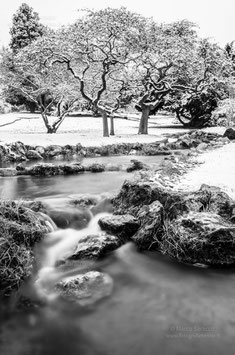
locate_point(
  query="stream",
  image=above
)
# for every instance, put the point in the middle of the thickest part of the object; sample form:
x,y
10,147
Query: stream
x,y
157,305
32,187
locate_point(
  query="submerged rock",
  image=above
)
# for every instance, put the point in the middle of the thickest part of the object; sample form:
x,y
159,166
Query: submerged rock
x,y
95,246
69,217
123,226
86,289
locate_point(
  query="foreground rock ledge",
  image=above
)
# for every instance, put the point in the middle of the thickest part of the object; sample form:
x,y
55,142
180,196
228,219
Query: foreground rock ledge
x,y
193,227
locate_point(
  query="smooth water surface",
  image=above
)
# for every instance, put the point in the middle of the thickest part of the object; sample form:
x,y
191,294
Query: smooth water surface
x,y
31,187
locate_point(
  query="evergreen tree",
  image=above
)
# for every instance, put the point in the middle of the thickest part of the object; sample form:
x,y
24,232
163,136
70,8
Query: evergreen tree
x,y
26,27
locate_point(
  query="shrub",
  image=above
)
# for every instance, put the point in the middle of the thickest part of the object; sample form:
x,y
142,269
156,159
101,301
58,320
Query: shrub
x,y
5,107
224,114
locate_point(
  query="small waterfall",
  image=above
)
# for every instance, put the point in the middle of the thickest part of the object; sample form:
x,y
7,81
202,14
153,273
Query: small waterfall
x,y
59,245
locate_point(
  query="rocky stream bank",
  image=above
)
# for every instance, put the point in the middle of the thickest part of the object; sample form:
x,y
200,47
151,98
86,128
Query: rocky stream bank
x,y
196,228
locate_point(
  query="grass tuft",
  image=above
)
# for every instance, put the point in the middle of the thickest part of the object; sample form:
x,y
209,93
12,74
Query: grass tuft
x,y
20,229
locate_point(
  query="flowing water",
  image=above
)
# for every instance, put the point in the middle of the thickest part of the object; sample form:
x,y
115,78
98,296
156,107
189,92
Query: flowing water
x,y
157,305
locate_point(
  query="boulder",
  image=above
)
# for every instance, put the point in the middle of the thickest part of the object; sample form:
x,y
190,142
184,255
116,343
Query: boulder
x,y
211,199
33,155
53,150
95,246
151,224
200,237
202,146
136,193
44,169
124,226
18,148
72,168
95,168
230,133
136,165
40,150
20,168
86,289
69,149
48,169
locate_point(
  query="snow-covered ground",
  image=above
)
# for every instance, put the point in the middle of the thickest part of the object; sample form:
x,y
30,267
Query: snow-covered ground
x,y
218,170
29,129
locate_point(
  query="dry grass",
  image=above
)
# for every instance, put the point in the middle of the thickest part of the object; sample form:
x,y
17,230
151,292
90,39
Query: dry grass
x,y
20,229
193,247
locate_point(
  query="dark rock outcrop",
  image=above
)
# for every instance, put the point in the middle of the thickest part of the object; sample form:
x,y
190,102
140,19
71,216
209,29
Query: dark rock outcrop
x,y
135,194
124,226
200,237
95,168
212,199
136,165
193,227
95,246
33,155
151,225
230,133
47,169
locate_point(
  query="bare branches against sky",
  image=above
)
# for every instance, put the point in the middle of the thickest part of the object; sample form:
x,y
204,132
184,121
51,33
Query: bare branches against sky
x,y
215,18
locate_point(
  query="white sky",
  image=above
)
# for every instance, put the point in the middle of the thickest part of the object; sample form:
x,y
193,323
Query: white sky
x,y
216,19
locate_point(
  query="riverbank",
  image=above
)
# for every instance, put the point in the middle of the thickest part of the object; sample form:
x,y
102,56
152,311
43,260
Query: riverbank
x,y
149,211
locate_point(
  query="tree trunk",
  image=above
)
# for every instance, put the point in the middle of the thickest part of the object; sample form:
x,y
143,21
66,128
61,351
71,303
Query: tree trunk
x,y
105,124
51,130
143,126
112,126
